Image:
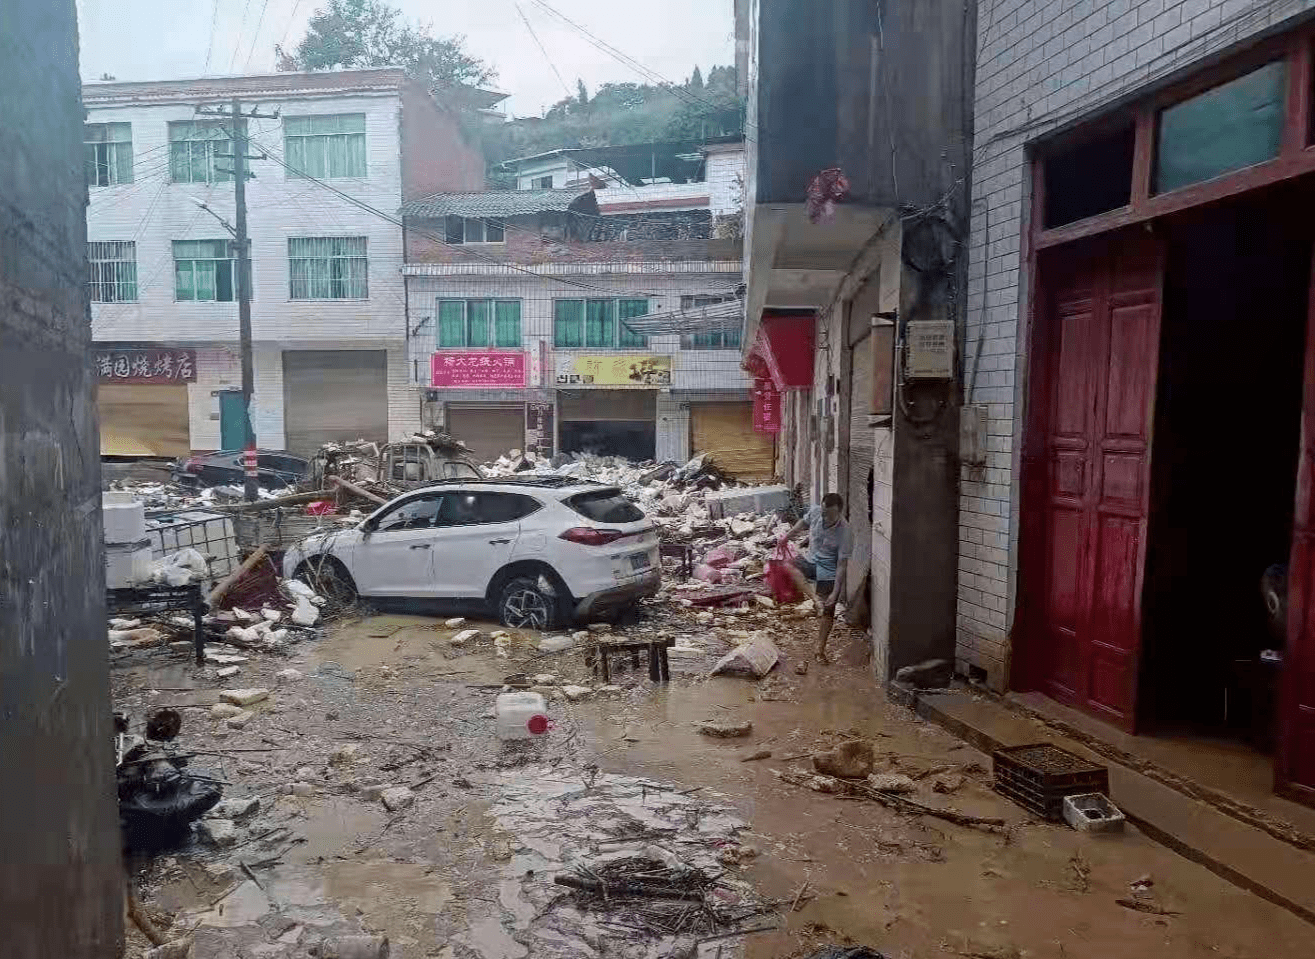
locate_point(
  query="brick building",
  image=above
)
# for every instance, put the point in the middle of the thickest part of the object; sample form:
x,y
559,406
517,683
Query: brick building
x,y
1136,374
595,294
328,298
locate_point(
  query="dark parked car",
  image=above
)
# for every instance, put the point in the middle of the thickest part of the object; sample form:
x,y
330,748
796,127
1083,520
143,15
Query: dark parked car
x,y
276,469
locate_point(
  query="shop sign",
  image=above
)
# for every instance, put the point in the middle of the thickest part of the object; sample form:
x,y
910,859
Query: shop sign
x,y
145,366
766,408
499,369
606,370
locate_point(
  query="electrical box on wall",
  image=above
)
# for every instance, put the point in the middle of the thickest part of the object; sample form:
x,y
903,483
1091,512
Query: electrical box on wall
x,y
929,350
972,436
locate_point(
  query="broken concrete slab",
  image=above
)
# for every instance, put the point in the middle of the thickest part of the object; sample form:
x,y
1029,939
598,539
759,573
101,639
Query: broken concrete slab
x,y
850,760
896,783
464,637
240,720
218,832
228,671
236,807
285,676
456,622
224,711
244,697
726,730
576,693
396,798
928,674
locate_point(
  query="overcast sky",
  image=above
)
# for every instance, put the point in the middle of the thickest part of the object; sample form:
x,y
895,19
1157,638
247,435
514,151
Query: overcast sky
x,y
165,39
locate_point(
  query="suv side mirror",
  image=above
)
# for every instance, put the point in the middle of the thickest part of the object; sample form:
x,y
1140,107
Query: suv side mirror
x,y
369,526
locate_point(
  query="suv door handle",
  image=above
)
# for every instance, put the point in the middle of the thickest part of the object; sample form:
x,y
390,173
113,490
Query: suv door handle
x,y
422,545
498,542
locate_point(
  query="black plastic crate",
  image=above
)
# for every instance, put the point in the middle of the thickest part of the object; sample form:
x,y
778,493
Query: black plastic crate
x,y
1038,777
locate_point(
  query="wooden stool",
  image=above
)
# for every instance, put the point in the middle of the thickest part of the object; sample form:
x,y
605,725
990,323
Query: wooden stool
x,y
659,669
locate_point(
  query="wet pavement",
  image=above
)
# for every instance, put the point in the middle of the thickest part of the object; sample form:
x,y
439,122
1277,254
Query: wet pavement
x,y
465,871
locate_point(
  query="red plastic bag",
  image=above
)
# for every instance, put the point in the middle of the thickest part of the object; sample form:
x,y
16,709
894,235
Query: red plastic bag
x,y
779,579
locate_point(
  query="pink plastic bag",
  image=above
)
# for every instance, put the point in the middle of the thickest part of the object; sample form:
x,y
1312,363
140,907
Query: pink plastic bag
x,y
724,555
778,577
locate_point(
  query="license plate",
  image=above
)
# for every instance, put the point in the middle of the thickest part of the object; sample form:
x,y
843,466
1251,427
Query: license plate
x,y
639,561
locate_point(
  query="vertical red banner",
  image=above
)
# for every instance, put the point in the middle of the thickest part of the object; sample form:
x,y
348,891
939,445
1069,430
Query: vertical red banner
x,y
766,408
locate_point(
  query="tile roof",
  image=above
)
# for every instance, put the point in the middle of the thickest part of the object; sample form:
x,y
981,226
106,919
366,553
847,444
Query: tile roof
x,y
495,203
270,84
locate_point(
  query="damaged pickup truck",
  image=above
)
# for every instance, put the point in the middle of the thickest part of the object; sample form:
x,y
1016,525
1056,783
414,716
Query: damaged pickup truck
x,y
540,551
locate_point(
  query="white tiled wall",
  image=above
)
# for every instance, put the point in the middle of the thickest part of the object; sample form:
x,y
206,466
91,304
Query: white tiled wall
x,y
1042,64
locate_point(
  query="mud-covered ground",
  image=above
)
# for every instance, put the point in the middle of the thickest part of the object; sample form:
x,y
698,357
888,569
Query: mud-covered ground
x,y
466,869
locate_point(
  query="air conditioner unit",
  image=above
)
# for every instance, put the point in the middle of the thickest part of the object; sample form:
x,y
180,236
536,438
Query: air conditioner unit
x,y
929,350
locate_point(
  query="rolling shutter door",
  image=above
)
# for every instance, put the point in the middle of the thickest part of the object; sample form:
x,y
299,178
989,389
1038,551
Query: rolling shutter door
x,y
334,396
600,405
861,458
489,431
143,420
726,431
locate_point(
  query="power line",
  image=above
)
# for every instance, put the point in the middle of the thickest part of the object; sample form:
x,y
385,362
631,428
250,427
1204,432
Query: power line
x,y
237,45
396,221
255,36
291,19
543,50
210,46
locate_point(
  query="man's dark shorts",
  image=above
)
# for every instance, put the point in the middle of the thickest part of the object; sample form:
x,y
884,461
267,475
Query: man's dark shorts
x,y
806,566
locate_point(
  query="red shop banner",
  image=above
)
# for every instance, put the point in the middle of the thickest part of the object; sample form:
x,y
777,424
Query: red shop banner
x,y
145,366
766,408
478,368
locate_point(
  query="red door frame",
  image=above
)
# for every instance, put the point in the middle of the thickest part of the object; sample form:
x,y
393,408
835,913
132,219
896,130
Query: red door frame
x,y
1294,761
1294,767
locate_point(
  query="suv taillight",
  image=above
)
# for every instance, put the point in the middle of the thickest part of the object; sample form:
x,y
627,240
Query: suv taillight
x,y
588,536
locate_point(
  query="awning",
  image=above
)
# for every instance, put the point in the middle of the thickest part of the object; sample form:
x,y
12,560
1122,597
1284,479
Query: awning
x,y
696,319
783,349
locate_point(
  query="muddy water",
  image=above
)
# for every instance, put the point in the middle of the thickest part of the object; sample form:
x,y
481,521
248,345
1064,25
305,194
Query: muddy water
x,y
465,873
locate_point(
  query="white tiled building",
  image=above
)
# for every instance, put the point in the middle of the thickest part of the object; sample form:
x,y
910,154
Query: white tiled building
x,y
328,308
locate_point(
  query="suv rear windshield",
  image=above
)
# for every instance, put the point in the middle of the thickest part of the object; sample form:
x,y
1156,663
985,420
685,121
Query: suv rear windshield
x,y
606,505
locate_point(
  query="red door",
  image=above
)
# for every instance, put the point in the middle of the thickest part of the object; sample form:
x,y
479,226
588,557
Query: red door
x,y
1294,769
1087,473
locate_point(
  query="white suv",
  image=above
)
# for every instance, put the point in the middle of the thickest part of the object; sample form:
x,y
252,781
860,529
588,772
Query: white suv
x,y
538,550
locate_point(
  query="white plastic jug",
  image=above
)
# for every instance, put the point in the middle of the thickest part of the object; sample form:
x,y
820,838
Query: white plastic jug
x,y
521,715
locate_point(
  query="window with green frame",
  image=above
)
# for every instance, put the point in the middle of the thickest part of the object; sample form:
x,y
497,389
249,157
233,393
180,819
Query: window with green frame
x,y
711,339
325,147
597,324
479,323
204,270
200,151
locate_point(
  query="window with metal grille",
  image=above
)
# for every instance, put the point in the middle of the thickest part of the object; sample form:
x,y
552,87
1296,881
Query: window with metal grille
x,y
479,323
597,324
708,339
113,267
328,268
200,151
107,153
204,270
325,146
469,229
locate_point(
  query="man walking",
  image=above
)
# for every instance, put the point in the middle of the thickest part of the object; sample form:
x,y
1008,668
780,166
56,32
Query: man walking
x,y
827,559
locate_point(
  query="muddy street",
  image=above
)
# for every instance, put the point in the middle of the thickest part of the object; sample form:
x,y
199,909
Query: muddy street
x,y
388,807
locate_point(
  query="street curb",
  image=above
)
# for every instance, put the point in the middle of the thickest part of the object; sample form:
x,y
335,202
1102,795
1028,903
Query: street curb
x,y
924,705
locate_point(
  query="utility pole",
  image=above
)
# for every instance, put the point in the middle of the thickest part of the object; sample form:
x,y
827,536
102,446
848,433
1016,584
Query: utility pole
x,y
242,279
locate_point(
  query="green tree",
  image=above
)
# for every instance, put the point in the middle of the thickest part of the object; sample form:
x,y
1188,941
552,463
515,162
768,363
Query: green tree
x,y
695,84
370,33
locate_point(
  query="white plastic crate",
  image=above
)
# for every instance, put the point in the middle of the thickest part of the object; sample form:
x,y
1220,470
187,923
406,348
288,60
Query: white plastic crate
x,y
746,499
1092,812
127,564
209,533
124,518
